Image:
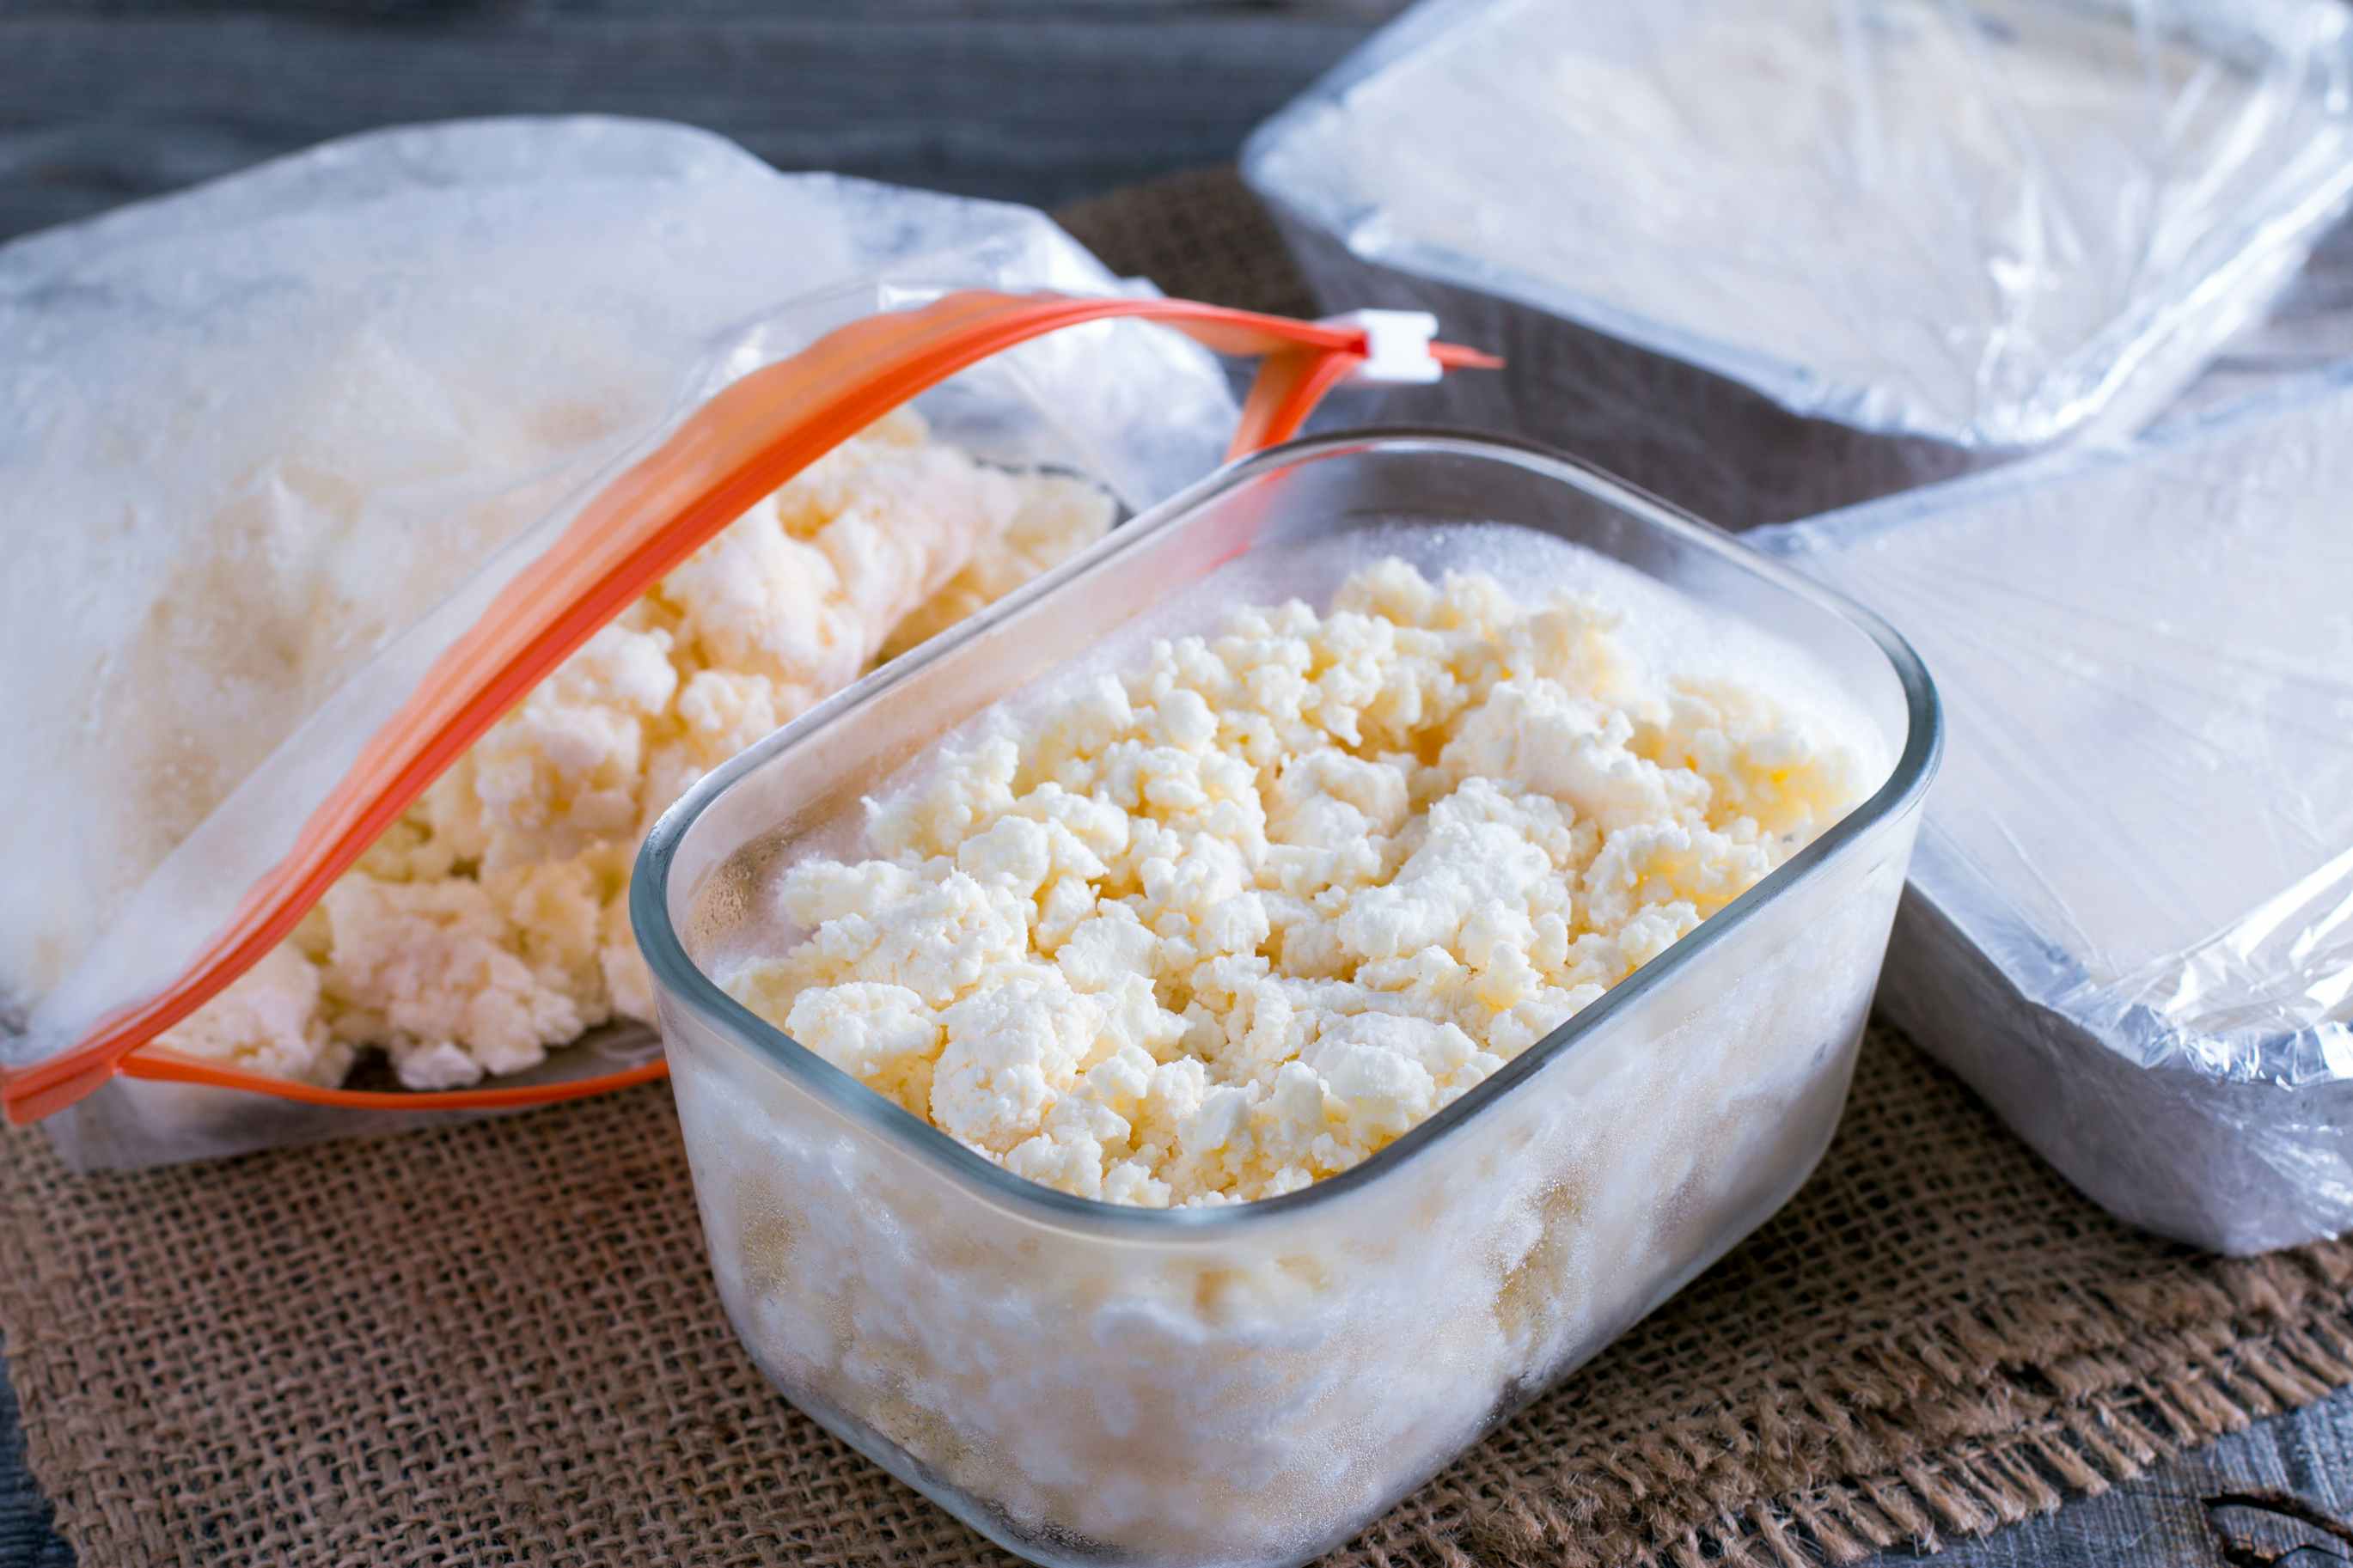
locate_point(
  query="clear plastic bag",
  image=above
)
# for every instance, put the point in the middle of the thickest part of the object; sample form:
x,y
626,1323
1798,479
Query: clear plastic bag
x,y
270,446
2130,919
1986,222
289,636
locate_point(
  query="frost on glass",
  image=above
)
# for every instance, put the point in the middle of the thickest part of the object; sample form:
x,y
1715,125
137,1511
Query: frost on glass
x,y
2131,914
1989,223
270,445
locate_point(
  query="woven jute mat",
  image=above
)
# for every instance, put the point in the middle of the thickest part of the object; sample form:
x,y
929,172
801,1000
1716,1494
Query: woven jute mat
x,y
497,1341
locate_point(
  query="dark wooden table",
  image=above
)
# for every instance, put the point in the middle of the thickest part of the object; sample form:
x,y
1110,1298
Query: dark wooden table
x,y
102,101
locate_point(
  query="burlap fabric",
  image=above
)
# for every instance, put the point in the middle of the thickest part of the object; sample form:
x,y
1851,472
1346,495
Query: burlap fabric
x,y
496,1343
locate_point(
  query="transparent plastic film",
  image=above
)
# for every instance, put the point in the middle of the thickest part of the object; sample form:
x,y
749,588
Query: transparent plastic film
x,y
2131,923
1985,223
746,442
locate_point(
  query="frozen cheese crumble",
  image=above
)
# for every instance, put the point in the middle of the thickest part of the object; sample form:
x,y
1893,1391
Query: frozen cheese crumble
x,y
491,924
1228,926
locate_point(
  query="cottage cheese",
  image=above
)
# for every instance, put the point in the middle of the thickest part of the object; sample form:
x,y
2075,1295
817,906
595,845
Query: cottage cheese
x,y
1234,923
1221,929
489,925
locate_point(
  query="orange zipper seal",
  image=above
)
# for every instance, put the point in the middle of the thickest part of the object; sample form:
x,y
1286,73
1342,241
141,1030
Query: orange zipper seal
x,y
742,444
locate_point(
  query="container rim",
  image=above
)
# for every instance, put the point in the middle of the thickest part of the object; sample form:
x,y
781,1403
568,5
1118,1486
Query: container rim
x,y
685,984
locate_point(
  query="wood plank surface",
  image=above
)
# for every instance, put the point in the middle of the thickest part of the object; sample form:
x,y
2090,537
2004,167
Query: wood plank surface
x,y
2163,1520
102,105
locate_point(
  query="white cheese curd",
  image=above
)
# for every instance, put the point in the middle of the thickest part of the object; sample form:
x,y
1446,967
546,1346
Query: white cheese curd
x,y
1217,929
490,925
1238,920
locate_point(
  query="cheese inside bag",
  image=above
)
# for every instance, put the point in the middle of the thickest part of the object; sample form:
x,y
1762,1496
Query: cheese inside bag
x,y
270,445
490,925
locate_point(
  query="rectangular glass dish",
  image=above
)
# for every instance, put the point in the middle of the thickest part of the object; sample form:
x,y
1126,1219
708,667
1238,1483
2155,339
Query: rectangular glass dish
x,y
1084,1382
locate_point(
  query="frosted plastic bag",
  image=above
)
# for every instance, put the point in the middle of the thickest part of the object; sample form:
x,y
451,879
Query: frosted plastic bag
x,y
1990,223
269,445
2130,919
767,399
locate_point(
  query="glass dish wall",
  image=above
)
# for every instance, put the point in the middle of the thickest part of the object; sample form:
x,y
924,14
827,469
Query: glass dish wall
x,y
1252,1384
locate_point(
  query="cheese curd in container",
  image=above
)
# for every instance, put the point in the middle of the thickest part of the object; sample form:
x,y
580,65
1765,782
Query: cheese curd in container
x,y
1251,1382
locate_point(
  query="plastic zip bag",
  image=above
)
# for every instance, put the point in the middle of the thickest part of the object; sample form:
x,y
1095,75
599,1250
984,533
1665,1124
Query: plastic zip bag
x,y
2130,919
1986,222
493,225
